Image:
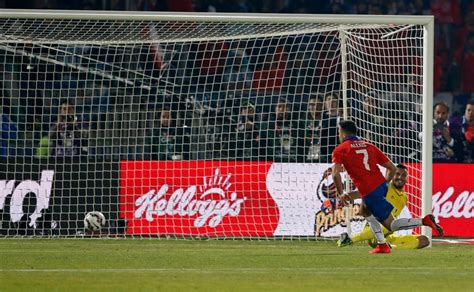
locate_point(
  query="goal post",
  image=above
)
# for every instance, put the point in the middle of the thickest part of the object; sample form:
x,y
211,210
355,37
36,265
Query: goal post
x,y
203,125
427,152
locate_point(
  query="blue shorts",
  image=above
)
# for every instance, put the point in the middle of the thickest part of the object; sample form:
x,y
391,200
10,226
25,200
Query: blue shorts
x,y
377,203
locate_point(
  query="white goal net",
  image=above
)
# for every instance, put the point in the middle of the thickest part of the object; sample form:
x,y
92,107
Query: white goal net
x,y
199,125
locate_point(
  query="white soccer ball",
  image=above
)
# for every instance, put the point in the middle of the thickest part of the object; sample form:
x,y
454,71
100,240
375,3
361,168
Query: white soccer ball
x,y
94,221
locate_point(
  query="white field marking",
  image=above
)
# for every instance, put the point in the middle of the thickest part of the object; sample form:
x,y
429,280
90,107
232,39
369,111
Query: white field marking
x,y
320,270
163,251
90,248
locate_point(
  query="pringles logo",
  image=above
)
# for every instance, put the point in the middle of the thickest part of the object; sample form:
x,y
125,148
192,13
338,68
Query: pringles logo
x,y
324,222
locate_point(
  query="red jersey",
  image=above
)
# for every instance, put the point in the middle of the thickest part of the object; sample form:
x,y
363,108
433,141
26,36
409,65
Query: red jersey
x,y
361,159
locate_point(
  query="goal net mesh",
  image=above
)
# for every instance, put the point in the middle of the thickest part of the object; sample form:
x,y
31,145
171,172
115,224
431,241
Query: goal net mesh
x,y
197,128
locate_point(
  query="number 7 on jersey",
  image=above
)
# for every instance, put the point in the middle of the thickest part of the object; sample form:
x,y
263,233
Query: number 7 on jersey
x,y
365,159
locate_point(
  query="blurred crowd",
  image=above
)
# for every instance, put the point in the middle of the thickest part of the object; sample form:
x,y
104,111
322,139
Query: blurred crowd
x,y
298,126
454,42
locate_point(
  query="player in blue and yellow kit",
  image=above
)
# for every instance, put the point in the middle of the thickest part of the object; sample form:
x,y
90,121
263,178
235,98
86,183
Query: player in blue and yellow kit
x,y
398,198
361,160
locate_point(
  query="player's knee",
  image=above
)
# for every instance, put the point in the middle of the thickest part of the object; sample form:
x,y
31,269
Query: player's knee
x,y
364,211
423,241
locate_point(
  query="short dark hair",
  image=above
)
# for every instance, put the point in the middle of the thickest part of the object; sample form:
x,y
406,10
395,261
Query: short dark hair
x,y
282,100
470,101
67,101
348,127
442,103
248,103
333,94
318,97
402,166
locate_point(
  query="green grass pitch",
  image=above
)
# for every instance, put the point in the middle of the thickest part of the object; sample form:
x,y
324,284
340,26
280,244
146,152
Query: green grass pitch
x,y
186,265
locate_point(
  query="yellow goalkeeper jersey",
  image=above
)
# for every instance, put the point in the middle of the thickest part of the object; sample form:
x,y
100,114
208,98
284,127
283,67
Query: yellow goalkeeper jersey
x,y
398,199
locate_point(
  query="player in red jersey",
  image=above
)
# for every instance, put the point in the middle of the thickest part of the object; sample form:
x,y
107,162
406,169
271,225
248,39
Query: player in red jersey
x,y
361,160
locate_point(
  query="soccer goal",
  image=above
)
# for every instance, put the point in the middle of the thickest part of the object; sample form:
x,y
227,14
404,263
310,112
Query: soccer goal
x,y
202,125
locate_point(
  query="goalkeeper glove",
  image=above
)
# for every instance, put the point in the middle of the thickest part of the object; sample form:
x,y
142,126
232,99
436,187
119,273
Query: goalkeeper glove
x,y
329,205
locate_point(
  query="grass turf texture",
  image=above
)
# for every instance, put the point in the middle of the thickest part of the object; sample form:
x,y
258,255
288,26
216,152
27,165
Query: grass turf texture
x,y
125,265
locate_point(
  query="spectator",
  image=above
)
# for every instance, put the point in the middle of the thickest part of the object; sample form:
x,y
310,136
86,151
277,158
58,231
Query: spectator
x,y
361,7
244,136
404,132
272,73
43,148
297,6
213,56
462,129
419,7
402,120
372,128
166,140
376,9
154,5
237,72
278,136
447,13
443,143
216,132
311,126
329,137
464,61
331,105
65,136
463,32
9,132
300,72
241,6
397,7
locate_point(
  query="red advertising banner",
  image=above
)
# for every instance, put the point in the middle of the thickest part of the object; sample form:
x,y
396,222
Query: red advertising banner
x,y
241,199
453,198
206,198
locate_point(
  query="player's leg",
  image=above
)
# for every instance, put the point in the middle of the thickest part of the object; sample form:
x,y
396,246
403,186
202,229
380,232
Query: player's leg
x,y
380,209
365,235
346,240
409,241
409,223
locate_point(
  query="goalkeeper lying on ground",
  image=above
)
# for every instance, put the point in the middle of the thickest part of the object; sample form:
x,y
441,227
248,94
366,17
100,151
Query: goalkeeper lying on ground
x,y
398,198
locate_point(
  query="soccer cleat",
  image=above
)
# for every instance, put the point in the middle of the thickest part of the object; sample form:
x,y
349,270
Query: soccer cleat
x,y
372,242
344,240
429,220
381,248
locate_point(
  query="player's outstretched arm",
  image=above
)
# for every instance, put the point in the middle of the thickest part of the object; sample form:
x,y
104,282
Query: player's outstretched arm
x,y
336,176
391,169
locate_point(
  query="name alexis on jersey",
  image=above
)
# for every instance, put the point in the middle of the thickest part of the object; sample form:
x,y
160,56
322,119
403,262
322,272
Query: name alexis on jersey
x,y
358,145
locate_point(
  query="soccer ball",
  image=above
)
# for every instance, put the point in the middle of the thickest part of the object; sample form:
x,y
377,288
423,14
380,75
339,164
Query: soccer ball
x,y
94,221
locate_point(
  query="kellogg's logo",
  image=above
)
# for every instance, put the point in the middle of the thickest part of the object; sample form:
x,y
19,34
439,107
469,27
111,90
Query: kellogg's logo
x,y
325,222
210,202
461,207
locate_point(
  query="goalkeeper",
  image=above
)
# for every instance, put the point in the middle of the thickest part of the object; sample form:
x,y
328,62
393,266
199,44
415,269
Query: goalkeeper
x,y
398,198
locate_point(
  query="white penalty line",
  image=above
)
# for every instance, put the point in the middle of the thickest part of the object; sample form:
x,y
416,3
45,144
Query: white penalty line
x,y
321,270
